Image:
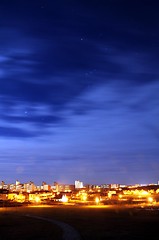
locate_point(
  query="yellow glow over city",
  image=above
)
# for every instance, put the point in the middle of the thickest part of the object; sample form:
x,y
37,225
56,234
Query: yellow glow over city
x,y
87,195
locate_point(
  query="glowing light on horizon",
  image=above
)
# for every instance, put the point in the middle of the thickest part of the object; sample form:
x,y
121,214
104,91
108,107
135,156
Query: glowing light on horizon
x,y
150,199
37,199
97,200
64,199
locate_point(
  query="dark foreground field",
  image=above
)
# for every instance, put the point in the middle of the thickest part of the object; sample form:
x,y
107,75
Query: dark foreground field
x,y
92,223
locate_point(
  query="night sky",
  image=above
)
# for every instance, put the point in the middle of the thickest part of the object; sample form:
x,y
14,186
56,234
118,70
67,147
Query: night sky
x,y
79,91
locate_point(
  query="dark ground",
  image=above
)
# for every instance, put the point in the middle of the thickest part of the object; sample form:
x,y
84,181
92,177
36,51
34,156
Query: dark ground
x,y
107,222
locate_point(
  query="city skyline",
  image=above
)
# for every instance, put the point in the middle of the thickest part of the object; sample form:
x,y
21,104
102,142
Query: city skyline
x,y
79,83
77,184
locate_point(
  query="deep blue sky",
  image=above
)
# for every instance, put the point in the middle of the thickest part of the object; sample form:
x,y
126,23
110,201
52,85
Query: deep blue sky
x,y
79,91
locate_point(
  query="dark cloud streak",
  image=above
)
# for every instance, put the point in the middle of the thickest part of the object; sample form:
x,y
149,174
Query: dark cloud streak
x,y
13,132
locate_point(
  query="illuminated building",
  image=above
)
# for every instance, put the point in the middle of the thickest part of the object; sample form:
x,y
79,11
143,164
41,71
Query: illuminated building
x,y
29,187
78,184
